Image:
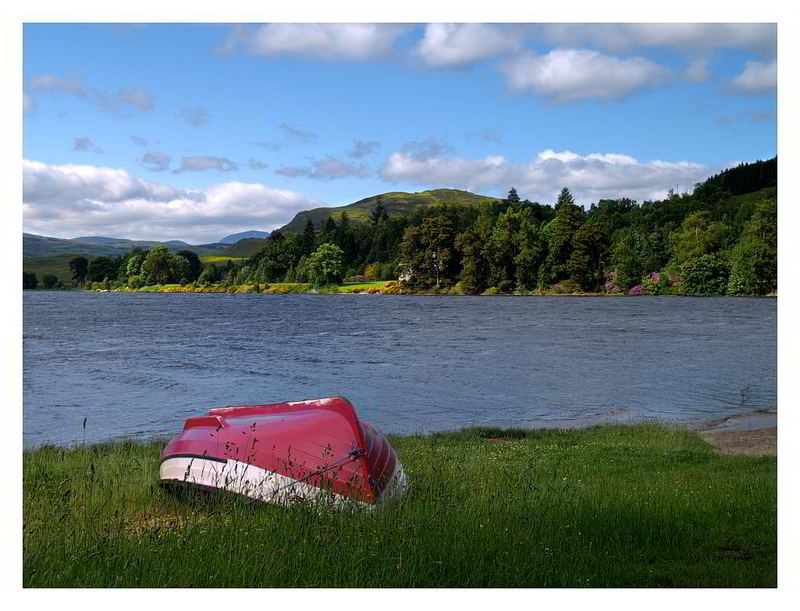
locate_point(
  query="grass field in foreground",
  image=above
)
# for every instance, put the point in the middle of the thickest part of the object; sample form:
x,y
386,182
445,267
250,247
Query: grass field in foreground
x,y
640,505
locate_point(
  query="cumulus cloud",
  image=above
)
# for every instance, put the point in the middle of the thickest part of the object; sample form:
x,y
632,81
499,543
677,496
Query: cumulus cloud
x,y
328,41
70,200
590,177
298,134
49,185
203,163
362,148
139,141
84,145
447,45
567,75
328,168
760,37
756,77
196,116
119,103
155,161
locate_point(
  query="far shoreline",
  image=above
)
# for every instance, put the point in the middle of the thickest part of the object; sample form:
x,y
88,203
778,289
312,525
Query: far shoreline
x,y
369,288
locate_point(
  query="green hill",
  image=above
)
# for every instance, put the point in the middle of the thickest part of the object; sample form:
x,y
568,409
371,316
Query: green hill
x,y
57,265
396,203
245,248
43,246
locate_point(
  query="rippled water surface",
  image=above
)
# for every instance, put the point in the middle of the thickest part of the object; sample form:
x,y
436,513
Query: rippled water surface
x,y
137,365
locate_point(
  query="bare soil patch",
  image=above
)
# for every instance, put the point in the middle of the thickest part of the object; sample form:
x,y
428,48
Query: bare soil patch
x,y
756,442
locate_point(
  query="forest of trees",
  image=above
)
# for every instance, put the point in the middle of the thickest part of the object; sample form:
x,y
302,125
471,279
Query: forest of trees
x,y
709,242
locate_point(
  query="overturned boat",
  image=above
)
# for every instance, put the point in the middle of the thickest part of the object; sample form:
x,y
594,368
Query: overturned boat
x,y
282,453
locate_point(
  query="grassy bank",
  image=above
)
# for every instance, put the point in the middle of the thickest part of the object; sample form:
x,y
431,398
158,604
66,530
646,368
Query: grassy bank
x,y
636,505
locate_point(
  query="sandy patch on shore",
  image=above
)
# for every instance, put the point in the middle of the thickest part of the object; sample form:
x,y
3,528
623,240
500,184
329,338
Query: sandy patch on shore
x,y
756,442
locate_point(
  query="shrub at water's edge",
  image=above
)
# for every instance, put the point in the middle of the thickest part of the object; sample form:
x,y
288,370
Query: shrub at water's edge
x,y
609,506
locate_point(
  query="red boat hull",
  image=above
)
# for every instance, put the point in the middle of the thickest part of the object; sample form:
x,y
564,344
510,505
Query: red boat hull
x,y
283,452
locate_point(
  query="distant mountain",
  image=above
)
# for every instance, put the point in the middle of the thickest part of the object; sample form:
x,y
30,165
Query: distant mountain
x,y
101,240
245,248
396,203
235,237
41,246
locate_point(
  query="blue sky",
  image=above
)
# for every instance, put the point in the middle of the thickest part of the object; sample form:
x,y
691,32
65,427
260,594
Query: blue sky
x,y
196,131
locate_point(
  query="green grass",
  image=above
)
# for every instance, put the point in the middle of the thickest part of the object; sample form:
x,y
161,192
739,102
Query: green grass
x,y
220,259
57,265
639,505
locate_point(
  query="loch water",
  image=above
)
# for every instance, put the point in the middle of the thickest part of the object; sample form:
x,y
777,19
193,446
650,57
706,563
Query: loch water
x,y
138,364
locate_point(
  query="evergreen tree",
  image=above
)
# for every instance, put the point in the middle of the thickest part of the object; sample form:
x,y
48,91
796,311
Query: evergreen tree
x,y
378,213
626,260
429,252
558,234
329,231
309,238
588,259
474,275
512,197
530,258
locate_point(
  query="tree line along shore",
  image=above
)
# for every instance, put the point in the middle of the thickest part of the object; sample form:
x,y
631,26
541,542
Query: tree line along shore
x,y
719,240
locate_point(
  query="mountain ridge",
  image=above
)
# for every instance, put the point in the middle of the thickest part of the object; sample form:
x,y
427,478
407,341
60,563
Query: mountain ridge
x,y
34,245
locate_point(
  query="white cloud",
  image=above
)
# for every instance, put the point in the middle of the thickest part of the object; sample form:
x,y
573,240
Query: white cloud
x,y
760,37
450,45
590,177
566,75
328,168
71,200
328,41
756,77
